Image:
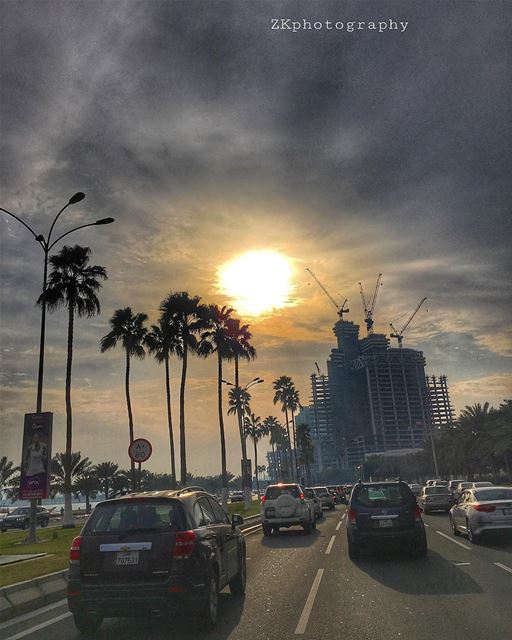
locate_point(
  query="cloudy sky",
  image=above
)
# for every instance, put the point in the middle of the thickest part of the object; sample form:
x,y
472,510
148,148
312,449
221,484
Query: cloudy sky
x,y
206,133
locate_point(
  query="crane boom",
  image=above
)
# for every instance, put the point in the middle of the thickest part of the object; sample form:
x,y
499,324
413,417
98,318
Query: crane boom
x,y
341,309
368,313
399,334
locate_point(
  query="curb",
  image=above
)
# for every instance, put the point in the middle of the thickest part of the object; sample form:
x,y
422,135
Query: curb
x,y
31,594
21,597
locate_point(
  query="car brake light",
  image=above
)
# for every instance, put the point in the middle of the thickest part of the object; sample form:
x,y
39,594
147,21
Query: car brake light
x,y
74,551
263,498
352,516
301,496
486,508
184,545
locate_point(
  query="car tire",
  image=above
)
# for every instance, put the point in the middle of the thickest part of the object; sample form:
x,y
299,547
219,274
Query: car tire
x,y
308,527
237,584
425,511
3,529
88,625
45,522
455,531
26,524
472,537
210,608
267,530
354,550
313,525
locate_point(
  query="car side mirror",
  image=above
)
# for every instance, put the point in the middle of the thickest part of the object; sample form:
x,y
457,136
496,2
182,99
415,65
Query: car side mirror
x,y
236,520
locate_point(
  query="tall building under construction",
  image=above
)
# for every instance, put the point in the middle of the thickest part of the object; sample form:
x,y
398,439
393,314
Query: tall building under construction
x,y
441,410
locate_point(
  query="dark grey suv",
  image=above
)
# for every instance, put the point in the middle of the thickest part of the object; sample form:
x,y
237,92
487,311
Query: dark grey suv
x,y
151,552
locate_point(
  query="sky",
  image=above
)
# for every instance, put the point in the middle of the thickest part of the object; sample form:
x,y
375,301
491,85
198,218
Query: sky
x,y
206,134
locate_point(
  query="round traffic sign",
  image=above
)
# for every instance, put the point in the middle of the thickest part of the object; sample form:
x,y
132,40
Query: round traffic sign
x,y
140,450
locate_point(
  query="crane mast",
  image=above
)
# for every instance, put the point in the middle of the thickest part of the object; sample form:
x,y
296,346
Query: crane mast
x,y
340,309
369,306
399,334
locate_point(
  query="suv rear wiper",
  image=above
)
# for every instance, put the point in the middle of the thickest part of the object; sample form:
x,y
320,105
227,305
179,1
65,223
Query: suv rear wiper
x,y
138,530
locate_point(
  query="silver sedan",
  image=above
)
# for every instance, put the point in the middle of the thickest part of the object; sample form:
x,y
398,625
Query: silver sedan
x,y
484,509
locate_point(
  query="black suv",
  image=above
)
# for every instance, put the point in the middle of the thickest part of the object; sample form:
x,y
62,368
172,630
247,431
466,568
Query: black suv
x,y
384,512
150,553
20,518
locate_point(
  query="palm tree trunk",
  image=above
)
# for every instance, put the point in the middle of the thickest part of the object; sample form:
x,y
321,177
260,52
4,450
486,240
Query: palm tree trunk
x,y
295,447
130,415
169,422
68,521
256,468
222,434
243,443
274,460
289,444
87,503
183,449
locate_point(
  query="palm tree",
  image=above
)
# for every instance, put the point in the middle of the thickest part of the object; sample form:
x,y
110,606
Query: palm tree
x,y
162,342
64,467
72,283
216,339
7,470
130,330
86,485
254,430
239,405
306,450
502,434
120,483
187,318
242,350
106,472
273,426
282,393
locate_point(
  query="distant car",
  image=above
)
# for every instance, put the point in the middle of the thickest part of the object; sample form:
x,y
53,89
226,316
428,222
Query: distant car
x,y
285,505
381,513
153,553
326,497
237,496
435,498
415,488
20,518
482,509
453,484
480,485
460,488
310,494
430,483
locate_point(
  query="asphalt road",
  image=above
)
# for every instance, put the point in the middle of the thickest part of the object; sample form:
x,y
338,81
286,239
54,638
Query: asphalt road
x,y
306,586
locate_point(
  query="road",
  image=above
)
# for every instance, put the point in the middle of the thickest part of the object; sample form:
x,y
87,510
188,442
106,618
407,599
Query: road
x,y
302,586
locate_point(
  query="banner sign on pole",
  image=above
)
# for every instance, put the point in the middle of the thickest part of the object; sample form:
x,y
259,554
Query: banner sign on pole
x,y
36,456
247,473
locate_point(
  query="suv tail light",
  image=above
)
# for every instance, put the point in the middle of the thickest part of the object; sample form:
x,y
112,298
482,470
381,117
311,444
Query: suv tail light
x,y
352,516
417,514
184,545
74,551
301,496
486,508
263,498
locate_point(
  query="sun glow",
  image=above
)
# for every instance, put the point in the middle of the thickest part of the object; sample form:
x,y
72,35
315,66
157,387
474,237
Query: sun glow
x,y
257,282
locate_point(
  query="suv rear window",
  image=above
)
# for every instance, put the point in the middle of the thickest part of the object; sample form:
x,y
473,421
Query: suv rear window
x,y
385,495
436,490
140,514
273,493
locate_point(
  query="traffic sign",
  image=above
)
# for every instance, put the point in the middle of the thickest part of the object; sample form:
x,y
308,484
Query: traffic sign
x,y
140,450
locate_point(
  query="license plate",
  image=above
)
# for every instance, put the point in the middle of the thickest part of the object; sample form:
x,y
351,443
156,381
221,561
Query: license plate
x,y
507,512
385,523
125,558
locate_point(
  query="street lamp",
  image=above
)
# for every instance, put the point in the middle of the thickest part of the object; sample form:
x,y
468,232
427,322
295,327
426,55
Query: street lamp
x,y
240,416
46,246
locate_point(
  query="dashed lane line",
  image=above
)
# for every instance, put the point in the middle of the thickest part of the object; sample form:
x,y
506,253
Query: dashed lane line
x,y
38,627
427,525
329,546
338,525
503,566
306,612
464,546
344,516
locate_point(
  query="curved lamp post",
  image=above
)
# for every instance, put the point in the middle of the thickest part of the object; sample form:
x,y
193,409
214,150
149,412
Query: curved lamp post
x,y
46,246
240,416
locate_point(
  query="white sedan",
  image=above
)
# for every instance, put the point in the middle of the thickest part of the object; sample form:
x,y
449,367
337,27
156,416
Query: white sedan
x,y
482,509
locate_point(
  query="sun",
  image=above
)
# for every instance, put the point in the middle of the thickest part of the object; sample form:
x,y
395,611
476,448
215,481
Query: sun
x,y
257,282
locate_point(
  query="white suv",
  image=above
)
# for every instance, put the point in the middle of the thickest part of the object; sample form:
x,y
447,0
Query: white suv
x,y
284,505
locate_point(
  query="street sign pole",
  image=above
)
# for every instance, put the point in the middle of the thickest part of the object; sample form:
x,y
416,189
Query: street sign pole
x,y
140,451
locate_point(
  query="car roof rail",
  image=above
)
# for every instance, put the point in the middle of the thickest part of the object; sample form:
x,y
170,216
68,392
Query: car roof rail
x,y
189,490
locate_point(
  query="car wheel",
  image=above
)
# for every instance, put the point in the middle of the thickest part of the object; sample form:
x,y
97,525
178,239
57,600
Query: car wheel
x,y
267,530
354,551
211,603
313,525
307,527
420,549
472,537
3,529
26,524
45,522
237,584
425,511
87,624
455,531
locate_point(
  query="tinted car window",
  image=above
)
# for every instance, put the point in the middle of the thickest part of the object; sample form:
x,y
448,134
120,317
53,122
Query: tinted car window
x,y
208,515
494,494
322,491
123,516
274,492
218,512
20,512
435,490
309,493
382,496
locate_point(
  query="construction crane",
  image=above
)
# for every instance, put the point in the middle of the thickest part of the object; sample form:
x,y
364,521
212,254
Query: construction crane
x,y
318,369
369,306
341,309
399,334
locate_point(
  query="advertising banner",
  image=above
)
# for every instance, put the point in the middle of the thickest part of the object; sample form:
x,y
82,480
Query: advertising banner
x,y
36,456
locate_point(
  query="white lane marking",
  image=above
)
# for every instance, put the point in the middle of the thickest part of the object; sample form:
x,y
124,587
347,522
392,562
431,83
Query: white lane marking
x,y
464,546
249,530
461,564
503,566
344,516
31,614
306,612
38,627
338,526
329,546
427,525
